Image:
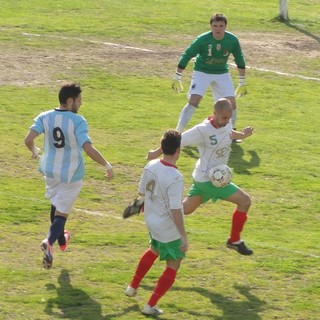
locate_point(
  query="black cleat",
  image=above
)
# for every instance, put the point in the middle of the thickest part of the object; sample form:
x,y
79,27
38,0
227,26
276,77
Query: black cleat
x,y
135,208
240,248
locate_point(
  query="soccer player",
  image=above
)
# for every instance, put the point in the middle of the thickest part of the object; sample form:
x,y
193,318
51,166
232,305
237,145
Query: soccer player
x,y
62,164
213,138
212,50
162,185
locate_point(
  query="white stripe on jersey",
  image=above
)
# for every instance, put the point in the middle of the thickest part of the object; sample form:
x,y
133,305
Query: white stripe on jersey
x,y
63,163
59,153
74,161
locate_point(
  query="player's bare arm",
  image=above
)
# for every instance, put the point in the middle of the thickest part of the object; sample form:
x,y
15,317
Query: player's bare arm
x,y
29,142
96,156
153,154
177,217
246,132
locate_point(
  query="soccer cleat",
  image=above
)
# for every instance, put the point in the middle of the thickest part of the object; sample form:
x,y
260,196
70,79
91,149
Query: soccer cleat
x,y
135,208
47,254
240,248
67,237
147,310
130,292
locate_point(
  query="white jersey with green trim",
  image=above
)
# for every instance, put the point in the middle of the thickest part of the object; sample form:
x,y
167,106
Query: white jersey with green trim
x,y
214,147
162,184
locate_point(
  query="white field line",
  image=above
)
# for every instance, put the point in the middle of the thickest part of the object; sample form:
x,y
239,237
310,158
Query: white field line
x,y
262,245
110,44
280,73
100,214
132,220
117,45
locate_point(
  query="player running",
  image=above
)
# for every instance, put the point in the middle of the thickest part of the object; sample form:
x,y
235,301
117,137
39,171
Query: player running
x,y
162,185
62,164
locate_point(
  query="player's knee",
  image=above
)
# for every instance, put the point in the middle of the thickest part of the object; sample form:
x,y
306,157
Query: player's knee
x,y
233,102
191,203
187,209
195,100
246,201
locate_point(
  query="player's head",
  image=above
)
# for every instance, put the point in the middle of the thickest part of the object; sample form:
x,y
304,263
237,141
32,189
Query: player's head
x,y
218,23
170,142
70,95
218,17
222,112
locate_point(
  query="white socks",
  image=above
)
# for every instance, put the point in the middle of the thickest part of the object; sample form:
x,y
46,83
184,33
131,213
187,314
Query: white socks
x,y
185,116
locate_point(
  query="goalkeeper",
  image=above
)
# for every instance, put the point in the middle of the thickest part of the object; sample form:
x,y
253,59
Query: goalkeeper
x,y
212,50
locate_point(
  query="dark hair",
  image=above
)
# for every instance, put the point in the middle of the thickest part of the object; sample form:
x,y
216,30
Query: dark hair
x,y
71,90
170,142
218,17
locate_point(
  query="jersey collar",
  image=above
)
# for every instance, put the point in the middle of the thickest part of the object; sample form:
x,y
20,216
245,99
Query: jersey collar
x,y
167,164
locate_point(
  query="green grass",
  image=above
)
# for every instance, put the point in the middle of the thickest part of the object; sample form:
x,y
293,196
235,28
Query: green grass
x,y
128,104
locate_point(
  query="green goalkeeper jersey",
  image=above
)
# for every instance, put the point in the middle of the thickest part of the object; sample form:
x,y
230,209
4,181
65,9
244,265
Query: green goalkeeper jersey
x,y
212,55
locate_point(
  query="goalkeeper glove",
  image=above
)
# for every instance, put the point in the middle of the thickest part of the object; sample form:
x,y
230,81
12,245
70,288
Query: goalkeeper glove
x,y
176,83
241,89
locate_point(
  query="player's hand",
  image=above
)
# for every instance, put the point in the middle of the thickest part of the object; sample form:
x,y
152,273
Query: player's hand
x,y
247,131
153,154
35,153
176,83
184,244
109,174
242,88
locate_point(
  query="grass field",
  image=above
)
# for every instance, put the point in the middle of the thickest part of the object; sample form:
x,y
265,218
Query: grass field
x,y
124,54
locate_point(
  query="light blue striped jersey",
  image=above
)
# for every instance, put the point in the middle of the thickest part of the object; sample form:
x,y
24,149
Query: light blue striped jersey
x,y
65,133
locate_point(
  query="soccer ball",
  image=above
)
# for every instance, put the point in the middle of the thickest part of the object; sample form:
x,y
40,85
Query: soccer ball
x,y
220,175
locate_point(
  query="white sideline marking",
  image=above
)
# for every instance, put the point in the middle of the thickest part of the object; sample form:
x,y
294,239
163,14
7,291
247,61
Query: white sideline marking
x,y
110,44
262,245
117,45
100,214
280,73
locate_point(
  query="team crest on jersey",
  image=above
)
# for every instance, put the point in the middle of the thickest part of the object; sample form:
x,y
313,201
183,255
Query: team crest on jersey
x,y
218,47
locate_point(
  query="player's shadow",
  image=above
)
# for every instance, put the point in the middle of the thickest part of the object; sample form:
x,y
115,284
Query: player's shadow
x,y
71,303
238,163
294,26
230,309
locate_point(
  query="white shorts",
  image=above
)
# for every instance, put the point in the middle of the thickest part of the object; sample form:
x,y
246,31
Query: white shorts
x,y
221,85
62,194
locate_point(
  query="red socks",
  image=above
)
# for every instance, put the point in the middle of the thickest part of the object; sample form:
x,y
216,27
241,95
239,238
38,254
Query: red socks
x,y
145,263
238,220
165,282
